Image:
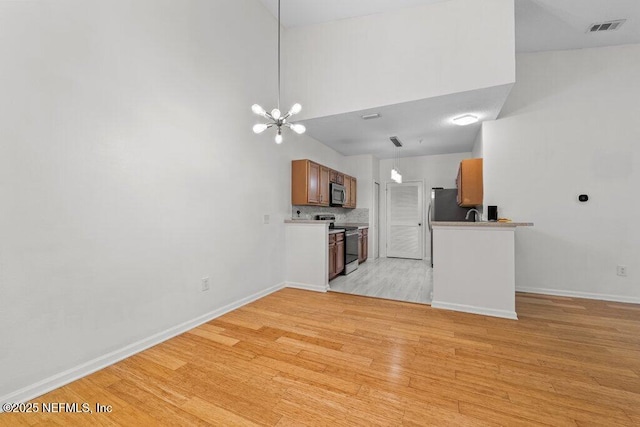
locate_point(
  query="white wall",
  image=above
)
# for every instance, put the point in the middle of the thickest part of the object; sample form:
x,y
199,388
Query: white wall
x,y
433,171
408,54
477,150
128,171
570,126
366,169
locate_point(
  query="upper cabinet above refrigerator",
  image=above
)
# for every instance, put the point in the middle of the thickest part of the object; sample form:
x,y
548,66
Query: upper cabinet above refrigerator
x,y
469,183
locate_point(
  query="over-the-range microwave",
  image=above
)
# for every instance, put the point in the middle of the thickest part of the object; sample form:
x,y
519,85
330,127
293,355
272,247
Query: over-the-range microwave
x,y
338,194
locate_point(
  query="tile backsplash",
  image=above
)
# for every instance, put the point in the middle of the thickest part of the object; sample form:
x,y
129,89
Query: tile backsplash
x,y
360,215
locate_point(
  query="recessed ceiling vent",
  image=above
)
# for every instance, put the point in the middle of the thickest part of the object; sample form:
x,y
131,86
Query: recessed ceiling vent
x,y
396,141
605,26
371,116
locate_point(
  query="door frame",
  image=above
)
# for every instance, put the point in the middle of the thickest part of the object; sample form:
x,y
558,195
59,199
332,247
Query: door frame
x,y
375,244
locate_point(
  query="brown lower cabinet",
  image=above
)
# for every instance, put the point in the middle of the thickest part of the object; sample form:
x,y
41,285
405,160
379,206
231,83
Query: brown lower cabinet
x,y
363,245
336,254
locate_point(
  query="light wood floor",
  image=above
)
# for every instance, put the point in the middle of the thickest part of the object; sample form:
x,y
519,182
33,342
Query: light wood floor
x,y
399,279
304,358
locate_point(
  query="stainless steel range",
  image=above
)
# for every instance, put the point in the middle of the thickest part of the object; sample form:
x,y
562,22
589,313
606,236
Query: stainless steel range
x,y
351,242
351,249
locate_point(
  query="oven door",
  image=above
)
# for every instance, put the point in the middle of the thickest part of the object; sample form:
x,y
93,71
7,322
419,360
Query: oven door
x,y
338,194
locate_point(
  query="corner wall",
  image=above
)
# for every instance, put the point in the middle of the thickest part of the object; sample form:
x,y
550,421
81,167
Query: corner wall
x,y
570,126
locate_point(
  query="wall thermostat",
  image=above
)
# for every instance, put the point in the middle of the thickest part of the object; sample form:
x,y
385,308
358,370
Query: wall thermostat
x,y
583,197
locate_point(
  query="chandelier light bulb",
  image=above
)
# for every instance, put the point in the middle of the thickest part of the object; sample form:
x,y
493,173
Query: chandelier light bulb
x,y
275,113
258,110
295,109
298,128
279,138
260,127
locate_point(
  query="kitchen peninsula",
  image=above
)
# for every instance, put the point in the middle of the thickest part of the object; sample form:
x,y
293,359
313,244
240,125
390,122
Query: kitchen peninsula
x,y
474,270
310,261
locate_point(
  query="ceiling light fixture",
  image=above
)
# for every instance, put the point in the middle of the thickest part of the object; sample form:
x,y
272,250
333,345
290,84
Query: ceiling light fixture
x,y
276,118
465,120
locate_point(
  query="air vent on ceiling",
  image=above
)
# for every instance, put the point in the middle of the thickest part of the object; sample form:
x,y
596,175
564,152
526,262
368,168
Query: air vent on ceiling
x,y
371,116
605,26
396,141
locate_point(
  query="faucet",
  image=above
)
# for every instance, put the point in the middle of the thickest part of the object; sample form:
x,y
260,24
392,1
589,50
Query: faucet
x,y
478,216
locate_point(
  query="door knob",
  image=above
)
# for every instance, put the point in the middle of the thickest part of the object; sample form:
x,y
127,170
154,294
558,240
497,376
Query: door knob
x,y
419,224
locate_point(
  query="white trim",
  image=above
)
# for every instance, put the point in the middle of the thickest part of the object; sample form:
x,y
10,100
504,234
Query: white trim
x,y
576,294
475,310
307,286
56,381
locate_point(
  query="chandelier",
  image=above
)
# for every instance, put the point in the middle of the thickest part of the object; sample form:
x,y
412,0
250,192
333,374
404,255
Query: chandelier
x,y
275,117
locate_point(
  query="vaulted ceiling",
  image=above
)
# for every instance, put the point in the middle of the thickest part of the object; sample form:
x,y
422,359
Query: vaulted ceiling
x,y
540,25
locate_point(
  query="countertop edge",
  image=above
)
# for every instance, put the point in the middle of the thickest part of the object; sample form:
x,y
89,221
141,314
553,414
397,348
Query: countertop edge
x,y
483,224
306,221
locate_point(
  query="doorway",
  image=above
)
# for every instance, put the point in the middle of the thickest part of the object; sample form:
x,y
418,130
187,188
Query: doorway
x,y
405,218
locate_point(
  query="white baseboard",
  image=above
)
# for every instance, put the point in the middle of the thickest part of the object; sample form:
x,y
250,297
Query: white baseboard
x,y
307,286
575,294
475,310
38,389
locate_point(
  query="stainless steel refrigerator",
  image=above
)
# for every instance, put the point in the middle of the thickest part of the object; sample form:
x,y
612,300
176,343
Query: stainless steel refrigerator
x,y
444,207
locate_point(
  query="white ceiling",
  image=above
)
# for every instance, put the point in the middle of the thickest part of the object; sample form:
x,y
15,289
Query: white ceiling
x,y
424,127
541,25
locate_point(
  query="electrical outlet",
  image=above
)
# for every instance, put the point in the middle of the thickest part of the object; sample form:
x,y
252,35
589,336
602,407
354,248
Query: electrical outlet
x,y
205,284
622,270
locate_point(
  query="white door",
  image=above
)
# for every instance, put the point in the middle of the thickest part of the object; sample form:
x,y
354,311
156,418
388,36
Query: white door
x,y
405,220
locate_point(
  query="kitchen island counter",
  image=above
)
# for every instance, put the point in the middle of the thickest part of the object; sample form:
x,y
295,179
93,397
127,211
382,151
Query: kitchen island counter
x,y
474,267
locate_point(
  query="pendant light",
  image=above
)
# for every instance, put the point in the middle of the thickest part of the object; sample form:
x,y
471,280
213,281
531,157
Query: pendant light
x,y
395,171
275,117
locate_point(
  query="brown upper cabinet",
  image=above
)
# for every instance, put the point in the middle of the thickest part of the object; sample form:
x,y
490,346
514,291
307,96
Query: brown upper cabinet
x,y
350,185
336,177
324,186
310,184
469,183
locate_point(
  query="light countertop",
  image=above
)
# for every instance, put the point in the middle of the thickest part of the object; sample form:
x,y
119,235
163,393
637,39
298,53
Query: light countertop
x,y
305,221
487,224
360,225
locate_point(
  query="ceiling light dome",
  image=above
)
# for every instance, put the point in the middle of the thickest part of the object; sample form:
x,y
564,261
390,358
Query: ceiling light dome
x,y
465,120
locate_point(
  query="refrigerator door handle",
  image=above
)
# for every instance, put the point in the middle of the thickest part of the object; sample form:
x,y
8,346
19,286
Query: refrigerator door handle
x,y
429,217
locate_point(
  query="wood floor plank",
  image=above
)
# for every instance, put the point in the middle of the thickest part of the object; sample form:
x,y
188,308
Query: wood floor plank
x,y
297,358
